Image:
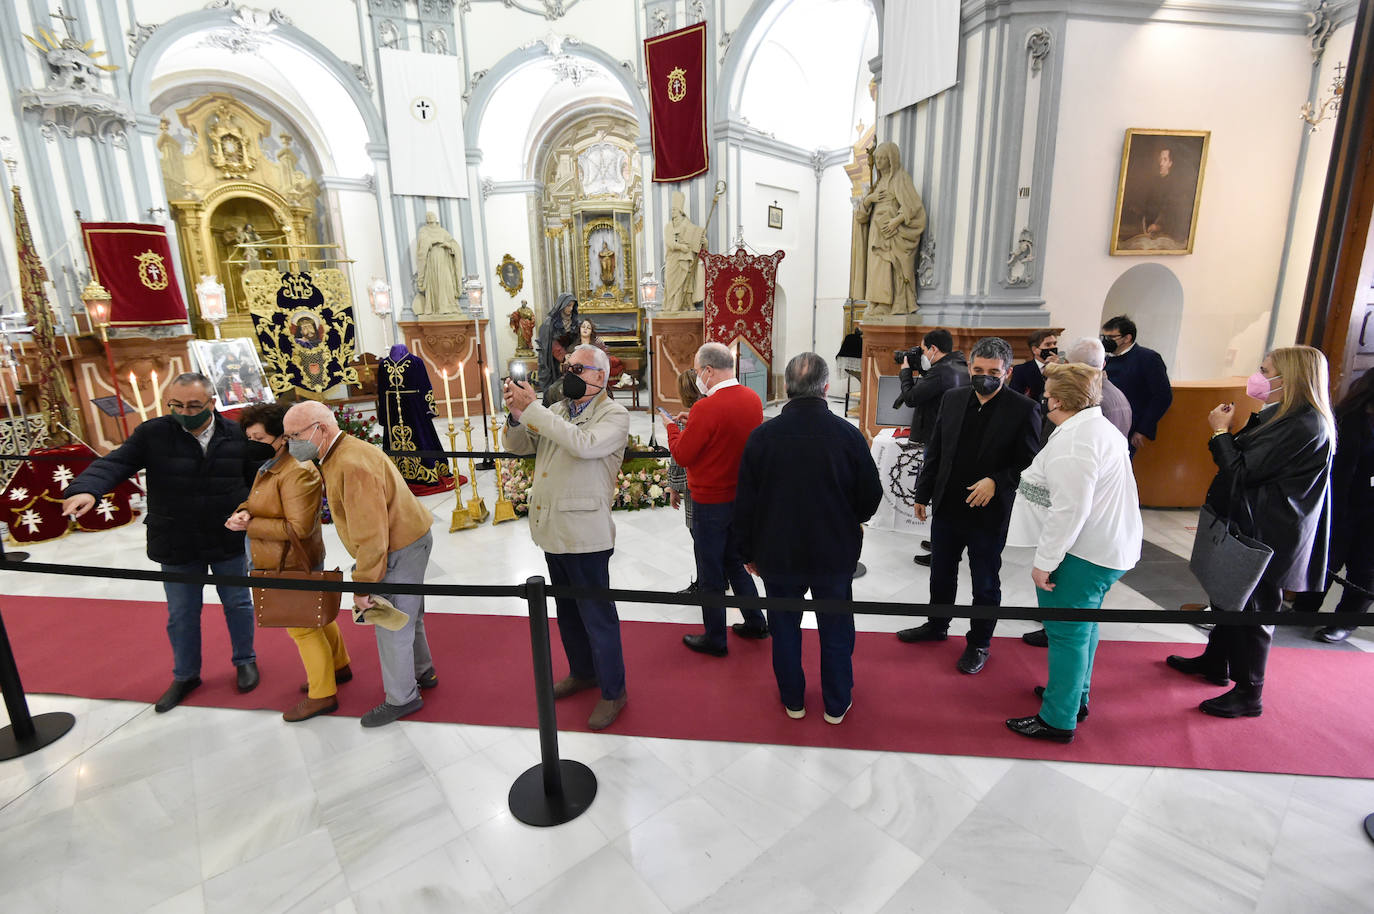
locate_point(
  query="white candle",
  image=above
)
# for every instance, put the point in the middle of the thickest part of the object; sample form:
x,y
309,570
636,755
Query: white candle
x,y
157,396
138,397
463,382
491,386
448,397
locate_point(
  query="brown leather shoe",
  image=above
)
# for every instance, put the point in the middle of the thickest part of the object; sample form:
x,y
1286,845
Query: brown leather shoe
x,y
341,675
571,685
310,707
605,712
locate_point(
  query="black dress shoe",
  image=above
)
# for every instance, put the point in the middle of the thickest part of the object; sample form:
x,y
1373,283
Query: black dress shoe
x,y
972,660
1239,702
1037,638
1036,728
175,693
247,678
1197,666
925,544
922,560
744,630
690,588
1082,709
923,632
1332,635
699,644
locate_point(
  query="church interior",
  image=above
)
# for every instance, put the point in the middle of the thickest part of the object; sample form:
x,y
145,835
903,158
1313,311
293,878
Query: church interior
x,y
385,205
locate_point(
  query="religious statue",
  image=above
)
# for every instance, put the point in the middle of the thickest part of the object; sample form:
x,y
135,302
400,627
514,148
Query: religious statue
x,y
682,243
607,258
561,319
888,225
522,325
438,269
1019,261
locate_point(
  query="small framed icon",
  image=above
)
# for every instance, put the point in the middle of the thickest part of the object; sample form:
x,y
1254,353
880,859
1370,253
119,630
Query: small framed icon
x,y
775,216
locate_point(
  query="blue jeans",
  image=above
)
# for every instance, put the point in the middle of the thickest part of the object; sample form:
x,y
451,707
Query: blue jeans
x,y
184,602
718,563
590,629
984,540
836,632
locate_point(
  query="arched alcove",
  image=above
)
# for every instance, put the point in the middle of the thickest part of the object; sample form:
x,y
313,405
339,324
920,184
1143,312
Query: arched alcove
x,y
1151,295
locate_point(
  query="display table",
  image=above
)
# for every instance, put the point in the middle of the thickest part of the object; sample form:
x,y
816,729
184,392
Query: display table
x,y
898,463
1175,469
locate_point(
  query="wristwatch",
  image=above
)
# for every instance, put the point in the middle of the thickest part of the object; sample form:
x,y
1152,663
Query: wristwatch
x,y
1219,431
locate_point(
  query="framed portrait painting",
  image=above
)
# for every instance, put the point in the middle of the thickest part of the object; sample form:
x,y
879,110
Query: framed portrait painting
x,y
232,366
1159,192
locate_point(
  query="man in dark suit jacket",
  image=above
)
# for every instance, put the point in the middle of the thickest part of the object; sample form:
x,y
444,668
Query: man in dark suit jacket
x,y
1028,378
1142,377
985,436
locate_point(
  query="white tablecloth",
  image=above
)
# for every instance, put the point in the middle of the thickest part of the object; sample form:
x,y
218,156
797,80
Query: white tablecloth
x,y
898,463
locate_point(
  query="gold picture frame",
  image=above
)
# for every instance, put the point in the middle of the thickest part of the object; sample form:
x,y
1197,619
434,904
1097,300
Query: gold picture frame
x,y
511,274
1159,191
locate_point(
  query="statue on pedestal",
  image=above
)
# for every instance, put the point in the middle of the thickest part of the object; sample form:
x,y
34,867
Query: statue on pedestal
x,y
888,225
522,325
607,259
681,243
438,269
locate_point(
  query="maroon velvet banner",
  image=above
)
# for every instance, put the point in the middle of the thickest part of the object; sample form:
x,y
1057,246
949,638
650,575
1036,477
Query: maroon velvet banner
x,y
134,262
33,498
739,299
676,68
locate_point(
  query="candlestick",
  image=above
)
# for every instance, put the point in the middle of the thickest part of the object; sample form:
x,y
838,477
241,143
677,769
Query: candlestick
x,y
138,398
476,506
157,396
462,514
503,510
463,381
491,386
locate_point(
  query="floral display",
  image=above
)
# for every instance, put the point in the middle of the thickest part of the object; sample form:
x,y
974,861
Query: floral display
x,y
641,483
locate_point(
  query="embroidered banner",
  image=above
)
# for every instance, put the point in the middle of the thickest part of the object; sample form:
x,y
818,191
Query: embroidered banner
x,y
305,329
739,299
134,262
676,68
33,498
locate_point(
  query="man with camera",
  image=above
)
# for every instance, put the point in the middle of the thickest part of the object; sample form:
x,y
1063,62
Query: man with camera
x,y
578,444
941,369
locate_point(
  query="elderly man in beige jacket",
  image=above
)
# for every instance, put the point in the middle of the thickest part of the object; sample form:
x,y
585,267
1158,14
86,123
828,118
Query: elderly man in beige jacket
x,y
579,443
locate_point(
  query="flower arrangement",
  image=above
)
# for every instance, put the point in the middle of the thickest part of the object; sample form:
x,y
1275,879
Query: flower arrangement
x,y
353,422
641,483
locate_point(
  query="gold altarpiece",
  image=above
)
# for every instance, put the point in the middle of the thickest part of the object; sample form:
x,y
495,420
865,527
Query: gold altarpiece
x,y
236,207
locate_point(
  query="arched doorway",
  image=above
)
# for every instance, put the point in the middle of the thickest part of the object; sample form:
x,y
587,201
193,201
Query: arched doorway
x,y
1151,295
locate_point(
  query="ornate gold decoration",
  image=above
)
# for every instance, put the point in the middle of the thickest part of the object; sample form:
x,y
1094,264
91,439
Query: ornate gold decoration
x,y
152,270
587,296
231,147
511,274
677,84
739,298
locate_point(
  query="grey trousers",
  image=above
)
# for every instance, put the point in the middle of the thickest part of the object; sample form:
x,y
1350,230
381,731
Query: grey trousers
x,y
404,654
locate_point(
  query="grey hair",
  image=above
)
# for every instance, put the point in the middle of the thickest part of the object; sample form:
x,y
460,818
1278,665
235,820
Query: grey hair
x,y
717,356
602,360
992,347
1087,350
194,377
806,376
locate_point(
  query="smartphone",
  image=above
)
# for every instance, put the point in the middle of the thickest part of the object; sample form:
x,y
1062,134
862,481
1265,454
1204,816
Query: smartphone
x,y
518,372
668,417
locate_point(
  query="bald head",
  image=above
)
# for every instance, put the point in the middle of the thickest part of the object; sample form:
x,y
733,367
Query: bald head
x,y
307,413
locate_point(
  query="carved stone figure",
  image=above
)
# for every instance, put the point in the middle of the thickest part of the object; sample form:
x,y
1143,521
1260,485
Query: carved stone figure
x,y
607,258
682,242
1019,261
522,325
439,269
888,224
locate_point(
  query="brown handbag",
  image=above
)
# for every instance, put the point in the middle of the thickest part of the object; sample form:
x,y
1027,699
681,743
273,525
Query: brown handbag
x,y
277,608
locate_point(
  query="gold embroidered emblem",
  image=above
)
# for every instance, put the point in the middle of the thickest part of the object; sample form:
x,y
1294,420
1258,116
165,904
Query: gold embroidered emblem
x,y
739,298
677,84
152,271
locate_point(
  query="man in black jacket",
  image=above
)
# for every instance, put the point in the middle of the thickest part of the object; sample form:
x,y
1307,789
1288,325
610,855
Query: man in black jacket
x,y
1142,377
199,469
986,435
806,483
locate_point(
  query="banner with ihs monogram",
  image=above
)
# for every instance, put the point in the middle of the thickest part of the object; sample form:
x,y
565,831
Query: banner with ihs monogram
x,y
305,328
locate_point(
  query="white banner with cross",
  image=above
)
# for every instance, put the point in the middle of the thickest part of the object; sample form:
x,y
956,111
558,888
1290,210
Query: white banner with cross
x,y
422,94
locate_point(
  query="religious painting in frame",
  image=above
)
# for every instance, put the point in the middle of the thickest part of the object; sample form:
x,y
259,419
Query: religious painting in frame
x,y
511,274
232,366
1159,192
614,323
775,216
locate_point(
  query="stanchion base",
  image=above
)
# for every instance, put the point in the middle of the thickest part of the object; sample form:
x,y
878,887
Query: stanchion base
x,y
48,728
531,805
487,464
1369,826
14,557
859,570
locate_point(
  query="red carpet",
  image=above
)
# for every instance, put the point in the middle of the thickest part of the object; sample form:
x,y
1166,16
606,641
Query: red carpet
x,y
907,698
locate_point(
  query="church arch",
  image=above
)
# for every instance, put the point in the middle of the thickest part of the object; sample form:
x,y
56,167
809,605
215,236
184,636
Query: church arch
x,y
1152,296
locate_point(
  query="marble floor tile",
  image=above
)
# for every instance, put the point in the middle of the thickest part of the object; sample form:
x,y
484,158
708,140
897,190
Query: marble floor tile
x,y
1104,892
438,745
1338,861
632,785
907,802
475,789
377,832
191,901
604,883
447,879
933,891
302,876
1057,808
687,852
696,761
762,890
522,859
280,808
763,796
830,768
973,775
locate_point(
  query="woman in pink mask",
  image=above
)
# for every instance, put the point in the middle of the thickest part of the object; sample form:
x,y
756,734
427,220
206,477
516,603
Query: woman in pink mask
x,y
1279,466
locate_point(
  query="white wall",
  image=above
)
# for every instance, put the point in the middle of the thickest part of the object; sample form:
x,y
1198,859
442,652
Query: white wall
x,y
1246,87
362,240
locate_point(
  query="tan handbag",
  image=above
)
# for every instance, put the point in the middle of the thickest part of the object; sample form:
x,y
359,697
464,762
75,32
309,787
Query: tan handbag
x,y
276,608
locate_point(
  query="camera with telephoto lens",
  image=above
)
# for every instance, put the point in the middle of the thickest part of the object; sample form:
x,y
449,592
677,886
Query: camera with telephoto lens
x,y
914,355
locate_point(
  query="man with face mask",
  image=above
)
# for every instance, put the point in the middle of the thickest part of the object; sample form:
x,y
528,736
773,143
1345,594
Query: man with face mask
x,y
199,469
985,436
1028,377
385,528
578,445
1141,375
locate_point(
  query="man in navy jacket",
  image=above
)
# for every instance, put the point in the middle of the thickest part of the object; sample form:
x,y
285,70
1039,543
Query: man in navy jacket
x,y
1141,376
806,484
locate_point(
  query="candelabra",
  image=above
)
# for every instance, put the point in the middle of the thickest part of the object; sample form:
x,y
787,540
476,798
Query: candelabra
x,y
1328,107
476,507
462,515
503,509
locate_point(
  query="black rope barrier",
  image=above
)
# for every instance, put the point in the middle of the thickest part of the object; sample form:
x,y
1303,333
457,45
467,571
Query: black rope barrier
x,y
656,453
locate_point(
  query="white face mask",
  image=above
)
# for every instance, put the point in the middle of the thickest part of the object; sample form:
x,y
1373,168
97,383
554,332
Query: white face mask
x,y
925,362
701,386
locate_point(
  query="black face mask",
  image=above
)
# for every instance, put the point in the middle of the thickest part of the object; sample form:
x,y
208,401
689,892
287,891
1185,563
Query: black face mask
x,y
1109,344
1046,353
574,387
261,450
986,385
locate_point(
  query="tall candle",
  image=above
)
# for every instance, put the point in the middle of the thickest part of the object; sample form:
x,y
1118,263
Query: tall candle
x,y
491,385
157,396
448,397
138,397
463,381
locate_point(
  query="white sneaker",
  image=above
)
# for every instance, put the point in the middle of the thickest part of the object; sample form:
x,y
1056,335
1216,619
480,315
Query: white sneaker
x,y
795,715
840,719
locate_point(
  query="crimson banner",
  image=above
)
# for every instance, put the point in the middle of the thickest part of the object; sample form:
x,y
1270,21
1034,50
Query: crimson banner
x,y
676,68
134,262
739,299
33,498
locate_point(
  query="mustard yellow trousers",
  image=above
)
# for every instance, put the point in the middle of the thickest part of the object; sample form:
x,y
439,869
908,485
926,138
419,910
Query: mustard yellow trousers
x,y
322,652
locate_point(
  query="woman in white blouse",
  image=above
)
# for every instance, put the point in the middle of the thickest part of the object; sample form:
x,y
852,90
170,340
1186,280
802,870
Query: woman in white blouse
x,y
1077,506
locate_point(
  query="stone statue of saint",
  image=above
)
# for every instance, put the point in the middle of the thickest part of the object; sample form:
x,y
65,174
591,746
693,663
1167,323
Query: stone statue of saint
x,y
522,325
607,258
439,269
888,225
681,243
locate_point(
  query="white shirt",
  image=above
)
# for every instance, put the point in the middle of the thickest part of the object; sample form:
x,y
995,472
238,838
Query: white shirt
x,y
733,382
204,435
1079,497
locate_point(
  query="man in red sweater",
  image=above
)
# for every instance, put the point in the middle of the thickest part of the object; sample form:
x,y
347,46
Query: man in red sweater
x,y
709,447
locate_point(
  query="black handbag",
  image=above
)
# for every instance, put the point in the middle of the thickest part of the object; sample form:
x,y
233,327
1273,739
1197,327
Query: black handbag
x,y
1227,563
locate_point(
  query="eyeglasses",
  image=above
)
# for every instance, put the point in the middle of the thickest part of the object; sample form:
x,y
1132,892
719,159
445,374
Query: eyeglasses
x,y
1111,336
191,408
577,368
300,435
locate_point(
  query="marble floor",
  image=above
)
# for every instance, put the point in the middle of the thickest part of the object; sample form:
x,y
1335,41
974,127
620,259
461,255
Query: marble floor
x,y
206,810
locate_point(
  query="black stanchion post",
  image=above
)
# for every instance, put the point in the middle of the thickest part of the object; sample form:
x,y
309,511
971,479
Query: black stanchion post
x,y
1369,826
25,733
556,790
